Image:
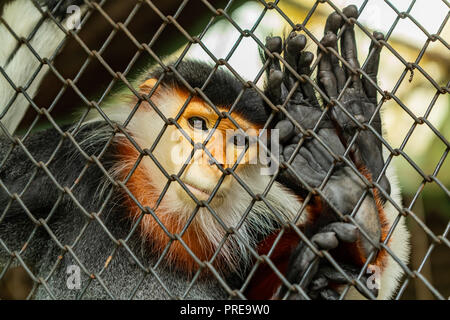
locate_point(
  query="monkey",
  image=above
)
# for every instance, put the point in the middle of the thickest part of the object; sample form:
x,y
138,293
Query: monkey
x,y
157,194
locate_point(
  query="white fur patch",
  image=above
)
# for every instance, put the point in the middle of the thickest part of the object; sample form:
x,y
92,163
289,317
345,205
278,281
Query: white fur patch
x,y
22,17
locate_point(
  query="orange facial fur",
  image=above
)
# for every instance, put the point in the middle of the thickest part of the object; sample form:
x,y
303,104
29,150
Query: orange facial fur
x,y
140,185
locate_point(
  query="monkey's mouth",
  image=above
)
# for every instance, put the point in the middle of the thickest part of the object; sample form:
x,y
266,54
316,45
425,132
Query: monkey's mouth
x,y
197,190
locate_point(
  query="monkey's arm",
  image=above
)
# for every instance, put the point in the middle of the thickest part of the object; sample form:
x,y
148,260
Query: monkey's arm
x,y
33,174
21,206
314,163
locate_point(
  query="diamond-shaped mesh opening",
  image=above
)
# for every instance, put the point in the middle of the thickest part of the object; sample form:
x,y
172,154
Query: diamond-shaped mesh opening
x,y
117,238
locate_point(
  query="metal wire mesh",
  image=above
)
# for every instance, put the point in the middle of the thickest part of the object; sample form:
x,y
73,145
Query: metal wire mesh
x,y
427,178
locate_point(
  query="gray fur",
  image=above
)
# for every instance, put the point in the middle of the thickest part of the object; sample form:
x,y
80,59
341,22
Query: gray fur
x,y
94,246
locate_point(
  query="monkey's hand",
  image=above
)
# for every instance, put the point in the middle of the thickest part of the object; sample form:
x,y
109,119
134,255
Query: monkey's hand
x,y
355,106
311,155
313,275
313,143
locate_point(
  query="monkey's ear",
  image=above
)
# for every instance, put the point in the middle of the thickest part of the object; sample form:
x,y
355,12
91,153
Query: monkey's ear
x,y
147,85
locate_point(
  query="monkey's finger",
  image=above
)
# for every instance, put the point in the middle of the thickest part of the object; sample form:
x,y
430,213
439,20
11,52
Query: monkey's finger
x,y
302,168
326,77
307,260
294,45
372,68
348,45
286,130
304,62
303,257
344,231
304,67
325,240
302,268
308,116
306,154
336,276
274,86
333,24
295,139
274,44
330,138
319,154
296,296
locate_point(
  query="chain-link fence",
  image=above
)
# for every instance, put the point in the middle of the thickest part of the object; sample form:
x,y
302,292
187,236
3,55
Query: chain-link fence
x,y
48,90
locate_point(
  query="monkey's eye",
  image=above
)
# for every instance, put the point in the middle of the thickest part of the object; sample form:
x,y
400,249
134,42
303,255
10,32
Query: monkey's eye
x,y
198,123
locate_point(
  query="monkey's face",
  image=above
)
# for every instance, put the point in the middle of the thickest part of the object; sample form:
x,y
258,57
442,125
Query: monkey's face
x,y
228,165
199,149
209,146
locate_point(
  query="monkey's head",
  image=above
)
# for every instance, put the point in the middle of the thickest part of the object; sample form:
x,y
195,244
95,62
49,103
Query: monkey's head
x,y
201,138
201,146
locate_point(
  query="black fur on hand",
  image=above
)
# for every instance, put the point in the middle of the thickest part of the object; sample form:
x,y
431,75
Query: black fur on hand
x,y
334,129
311,163
312,160
359,98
